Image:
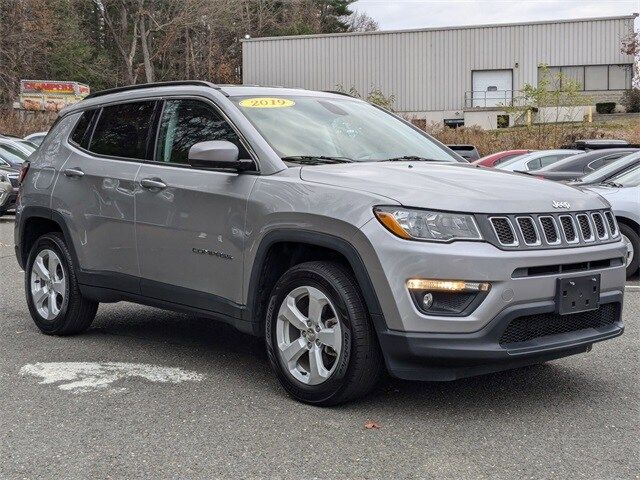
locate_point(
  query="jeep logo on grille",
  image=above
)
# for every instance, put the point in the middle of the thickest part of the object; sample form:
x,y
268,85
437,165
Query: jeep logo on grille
x,y
565,205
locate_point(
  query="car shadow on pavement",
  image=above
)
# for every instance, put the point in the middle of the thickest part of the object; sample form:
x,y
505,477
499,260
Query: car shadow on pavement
x,y
214,346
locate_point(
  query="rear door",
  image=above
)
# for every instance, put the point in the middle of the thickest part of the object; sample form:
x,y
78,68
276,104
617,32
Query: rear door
x,y
190,227
97,185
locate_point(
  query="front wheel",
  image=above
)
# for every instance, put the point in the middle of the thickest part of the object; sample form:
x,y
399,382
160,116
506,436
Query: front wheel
x,y
320,340
631,239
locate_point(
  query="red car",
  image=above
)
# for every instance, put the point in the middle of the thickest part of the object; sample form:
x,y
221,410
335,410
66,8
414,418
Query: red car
x,y
499,157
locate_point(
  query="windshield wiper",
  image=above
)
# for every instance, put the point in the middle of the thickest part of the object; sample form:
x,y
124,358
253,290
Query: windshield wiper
x,y
410,158
316,159
609,183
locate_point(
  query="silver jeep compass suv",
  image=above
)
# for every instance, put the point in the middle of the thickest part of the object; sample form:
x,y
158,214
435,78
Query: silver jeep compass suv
x,y
350,240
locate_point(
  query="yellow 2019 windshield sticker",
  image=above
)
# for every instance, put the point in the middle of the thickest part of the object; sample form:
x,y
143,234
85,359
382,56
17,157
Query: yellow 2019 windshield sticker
x,y
266,102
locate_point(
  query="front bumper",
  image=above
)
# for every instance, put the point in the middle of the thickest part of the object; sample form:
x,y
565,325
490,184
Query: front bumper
x,y
431,347
443,357
391,261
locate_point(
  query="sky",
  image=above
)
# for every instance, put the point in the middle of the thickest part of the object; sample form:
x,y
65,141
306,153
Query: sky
x,y
396,15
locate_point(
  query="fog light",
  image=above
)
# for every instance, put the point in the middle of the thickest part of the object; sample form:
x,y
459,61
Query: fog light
x,y
447,285
447,297
427,301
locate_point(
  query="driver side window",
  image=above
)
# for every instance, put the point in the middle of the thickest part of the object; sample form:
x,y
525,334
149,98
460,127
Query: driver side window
x,y
187,122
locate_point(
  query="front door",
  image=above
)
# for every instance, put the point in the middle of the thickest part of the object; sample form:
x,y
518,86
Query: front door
x,y
190,224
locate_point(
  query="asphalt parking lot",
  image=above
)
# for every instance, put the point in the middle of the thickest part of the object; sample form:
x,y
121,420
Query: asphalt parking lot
x,y
163,395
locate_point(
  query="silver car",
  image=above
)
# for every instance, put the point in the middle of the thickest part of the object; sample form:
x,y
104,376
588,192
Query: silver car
x,y
536,160
623,193
347,238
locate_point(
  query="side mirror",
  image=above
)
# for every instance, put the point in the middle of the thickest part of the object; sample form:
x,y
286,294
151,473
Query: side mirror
x,y
217,154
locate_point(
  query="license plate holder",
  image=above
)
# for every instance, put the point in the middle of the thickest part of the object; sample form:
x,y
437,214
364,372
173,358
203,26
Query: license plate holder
x,y
578,294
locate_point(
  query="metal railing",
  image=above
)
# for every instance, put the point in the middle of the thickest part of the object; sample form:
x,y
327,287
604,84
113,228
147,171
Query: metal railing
x,y
488,98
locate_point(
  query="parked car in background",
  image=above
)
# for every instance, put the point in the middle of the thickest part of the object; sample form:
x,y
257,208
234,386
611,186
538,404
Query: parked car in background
x,y
609,171
13,155
5,191
36,138
577,166
623,193
598,144
8,188
499,157
536,160
468,152
17,144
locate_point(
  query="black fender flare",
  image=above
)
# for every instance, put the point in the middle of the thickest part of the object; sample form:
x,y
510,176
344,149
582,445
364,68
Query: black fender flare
x,y
46,213
338,244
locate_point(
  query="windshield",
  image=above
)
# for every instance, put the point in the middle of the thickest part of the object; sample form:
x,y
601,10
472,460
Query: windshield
x,y
630,178
610,169
12,155
343,128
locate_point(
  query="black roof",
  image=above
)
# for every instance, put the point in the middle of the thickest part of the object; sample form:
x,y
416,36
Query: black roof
x,y
140,86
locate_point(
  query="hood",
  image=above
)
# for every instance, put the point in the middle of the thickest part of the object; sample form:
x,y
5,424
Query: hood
x,y
452,186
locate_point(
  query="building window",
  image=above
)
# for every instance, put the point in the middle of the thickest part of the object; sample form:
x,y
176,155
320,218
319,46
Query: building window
x,y
591,77
596,77
619,77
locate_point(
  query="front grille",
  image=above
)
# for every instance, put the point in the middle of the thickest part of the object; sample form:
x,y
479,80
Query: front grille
x,y
585,227
613,226
14,182
549,230
530,327
599,223
528,230
504,231
568,228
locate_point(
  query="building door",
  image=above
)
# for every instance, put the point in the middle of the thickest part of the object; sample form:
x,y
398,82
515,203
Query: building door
x,y
492,88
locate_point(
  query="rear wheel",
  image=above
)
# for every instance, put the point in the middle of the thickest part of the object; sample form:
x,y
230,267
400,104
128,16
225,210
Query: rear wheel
x,y
320,341
632,240
53,296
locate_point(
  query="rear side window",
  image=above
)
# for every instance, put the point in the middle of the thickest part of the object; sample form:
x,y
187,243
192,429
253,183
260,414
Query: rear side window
x,y
123,130
81,132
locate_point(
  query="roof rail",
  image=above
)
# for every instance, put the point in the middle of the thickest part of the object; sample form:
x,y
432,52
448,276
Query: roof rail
x,y
141,86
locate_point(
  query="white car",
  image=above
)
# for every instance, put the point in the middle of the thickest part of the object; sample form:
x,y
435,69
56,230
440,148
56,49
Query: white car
x,y
623,193
17,144
36,138
535,160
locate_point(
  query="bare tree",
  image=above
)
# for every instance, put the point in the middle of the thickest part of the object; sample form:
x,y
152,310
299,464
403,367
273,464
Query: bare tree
x,y
361,22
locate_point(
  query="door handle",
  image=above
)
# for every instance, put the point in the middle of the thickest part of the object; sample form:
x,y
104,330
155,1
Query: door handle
x,y
152,183
73,173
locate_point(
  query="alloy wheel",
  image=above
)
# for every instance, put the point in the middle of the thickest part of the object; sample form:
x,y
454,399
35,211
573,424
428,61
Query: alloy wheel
x,y
630,249
309,335
48,284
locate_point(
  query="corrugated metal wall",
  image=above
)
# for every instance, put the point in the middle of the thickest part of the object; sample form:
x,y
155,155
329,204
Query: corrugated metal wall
x,y
431,69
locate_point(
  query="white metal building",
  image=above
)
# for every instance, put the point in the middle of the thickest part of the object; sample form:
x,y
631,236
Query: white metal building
x,y
448,73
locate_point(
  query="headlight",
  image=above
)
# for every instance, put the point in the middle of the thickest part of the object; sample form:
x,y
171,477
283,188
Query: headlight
x,y
428,225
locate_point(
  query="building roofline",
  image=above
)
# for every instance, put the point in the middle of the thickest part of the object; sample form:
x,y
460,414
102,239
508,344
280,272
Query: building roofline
x,y
437,29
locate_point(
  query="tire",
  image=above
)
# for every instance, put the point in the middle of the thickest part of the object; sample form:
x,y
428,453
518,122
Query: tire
x,y
634,239
64,311
353,367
